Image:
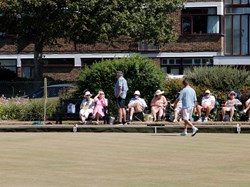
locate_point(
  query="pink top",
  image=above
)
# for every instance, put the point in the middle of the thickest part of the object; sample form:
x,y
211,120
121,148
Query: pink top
x,y
99,106
159,102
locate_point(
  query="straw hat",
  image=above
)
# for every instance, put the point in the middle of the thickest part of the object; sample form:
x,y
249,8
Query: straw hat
x,y
159,92
87,93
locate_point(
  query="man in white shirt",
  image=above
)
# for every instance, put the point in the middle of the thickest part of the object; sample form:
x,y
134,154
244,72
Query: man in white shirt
x,y
136,104
207,104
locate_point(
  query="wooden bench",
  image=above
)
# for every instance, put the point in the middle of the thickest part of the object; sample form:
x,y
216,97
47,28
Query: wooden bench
x,y
63,112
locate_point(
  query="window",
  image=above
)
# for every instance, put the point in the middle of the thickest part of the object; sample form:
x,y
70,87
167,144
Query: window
x,y
27,68
61,62
177,66
87,62
9,64
237,27
237,2
200,21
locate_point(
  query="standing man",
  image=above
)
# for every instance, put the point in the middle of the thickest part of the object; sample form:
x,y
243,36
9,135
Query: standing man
x,y
121,88
189,99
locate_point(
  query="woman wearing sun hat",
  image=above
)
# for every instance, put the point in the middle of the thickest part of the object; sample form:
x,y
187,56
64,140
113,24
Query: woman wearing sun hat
x,y
158,104
86,106
100,103
229,105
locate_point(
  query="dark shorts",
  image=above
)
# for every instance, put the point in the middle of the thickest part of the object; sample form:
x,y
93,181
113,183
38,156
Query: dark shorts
x,y
121,102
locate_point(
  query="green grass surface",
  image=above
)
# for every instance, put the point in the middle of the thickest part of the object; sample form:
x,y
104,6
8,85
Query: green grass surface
x,y
123,160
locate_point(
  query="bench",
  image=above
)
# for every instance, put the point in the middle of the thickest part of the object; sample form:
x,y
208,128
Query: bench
x,y
68,109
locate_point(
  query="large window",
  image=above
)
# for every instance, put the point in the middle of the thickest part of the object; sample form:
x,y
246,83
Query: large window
x,y
87,62
59,62
200,21
10,64
237,1
178,66
237,27
27,68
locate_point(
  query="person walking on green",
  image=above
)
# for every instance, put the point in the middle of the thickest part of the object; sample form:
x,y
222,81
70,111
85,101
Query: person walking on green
x,y
189,99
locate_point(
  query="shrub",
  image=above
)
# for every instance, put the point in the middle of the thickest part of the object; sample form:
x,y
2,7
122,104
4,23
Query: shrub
x,y
25,109
172,87
223,78
141,73
35,109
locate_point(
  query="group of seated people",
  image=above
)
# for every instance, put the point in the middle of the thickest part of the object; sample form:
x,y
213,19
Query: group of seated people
x,y
158,105
208,104
94,106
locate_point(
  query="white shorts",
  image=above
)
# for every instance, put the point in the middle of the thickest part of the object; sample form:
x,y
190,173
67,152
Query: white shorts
x,y
229,108
178,109
85,112
187,113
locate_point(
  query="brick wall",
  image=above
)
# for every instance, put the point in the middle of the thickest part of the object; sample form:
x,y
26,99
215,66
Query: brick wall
x,y
67,74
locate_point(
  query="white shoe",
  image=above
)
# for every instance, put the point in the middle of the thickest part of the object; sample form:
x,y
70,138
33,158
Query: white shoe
x,y
199,120
174,120
205,120
244,111
195,130
184,133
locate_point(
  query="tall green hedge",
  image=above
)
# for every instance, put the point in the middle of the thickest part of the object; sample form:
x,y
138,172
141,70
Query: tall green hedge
x,y
141,73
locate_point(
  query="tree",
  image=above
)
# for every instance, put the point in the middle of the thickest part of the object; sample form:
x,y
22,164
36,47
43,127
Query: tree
x,y
89,21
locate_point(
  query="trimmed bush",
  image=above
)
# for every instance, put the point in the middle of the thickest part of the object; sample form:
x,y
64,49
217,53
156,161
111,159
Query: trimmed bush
x,y
141,74
27,110
223,78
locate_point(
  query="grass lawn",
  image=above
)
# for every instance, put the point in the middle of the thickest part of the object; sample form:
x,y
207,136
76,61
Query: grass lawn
x,y
123,160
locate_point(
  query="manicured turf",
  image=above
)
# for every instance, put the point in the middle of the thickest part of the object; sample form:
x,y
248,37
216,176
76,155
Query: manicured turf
x,y
123,160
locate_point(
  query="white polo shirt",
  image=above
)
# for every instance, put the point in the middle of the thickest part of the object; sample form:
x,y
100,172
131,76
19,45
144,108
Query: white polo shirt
x,y
207,101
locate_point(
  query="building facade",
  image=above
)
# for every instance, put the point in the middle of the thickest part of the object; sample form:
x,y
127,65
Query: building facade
x,y
210,32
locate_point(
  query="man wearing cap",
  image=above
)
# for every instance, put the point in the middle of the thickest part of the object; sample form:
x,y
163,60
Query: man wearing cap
x,y
189,99
229,105
120,91
136,104
86,107
207,104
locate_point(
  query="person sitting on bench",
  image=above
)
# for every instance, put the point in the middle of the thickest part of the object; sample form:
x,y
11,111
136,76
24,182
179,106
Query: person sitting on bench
x,y
100,103
86,107
136,105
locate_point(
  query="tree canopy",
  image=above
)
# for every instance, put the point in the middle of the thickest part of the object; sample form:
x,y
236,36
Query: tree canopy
x,y
89,21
